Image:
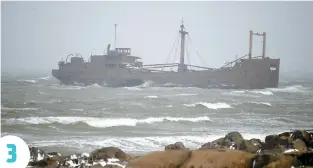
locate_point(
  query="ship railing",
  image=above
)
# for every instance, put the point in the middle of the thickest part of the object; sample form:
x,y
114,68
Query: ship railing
x,y
174,65
159,65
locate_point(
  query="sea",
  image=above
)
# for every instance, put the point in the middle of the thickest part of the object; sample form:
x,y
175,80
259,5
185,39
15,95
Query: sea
x,y
141,119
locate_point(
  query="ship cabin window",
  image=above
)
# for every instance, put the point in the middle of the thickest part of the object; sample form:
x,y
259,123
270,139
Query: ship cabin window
x,y
273,68
110,65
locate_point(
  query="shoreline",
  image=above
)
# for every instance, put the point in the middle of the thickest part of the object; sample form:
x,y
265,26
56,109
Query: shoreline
x,y
293,148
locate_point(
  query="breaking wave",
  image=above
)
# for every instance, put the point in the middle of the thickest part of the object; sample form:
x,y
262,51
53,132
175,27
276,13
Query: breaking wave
x,y
215,106
27,81
269,92
265,92
18,109
290,89
95,85
146,84
244,92
187,94
263,103
151,97
74,87
101,122
45,78
258,103
139,144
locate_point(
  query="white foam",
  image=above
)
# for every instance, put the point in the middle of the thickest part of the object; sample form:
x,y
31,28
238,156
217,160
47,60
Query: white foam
x,y
291,150
169,106
246,92
28,80
73,157
215,106
77,109
18,109
132,88
69,87
147,84
95,85
263,92
85,154
139,144
151,97
187,94
239,91
101,122
113,160
264,103
45,78
290,89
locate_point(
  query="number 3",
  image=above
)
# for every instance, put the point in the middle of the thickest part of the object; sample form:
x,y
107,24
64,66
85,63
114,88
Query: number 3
x,y
12,153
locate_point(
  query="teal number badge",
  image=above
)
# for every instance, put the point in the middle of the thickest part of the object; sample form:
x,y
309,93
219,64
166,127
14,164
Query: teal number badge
x,y
12,153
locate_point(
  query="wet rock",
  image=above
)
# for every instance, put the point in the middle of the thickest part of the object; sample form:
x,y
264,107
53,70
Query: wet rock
x,y
53,154
306,159
109,152
273,161
210,145
205,158
284,135
300,145
271,142
234,140
219,158
277,143
177,145
251,146
256,142
52,162
37,154
231,139
46,163
303,135
160,159
75,160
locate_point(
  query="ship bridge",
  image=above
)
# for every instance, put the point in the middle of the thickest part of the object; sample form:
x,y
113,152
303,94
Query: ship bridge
x,y
127,51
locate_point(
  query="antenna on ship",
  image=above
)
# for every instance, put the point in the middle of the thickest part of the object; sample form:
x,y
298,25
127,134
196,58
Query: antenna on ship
x,y
183,33
115,25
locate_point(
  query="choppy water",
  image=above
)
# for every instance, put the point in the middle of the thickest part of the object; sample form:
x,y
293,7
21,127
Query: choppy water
x,y
146,118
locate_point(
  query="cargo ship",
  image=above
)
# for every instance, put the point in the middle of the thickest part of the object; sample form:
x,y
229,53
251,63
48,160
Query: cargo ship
x,y
117,67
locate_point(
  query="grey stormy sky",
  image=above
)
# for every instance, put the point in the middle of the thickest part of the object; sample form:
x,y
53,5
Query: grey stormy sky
x,y
36,35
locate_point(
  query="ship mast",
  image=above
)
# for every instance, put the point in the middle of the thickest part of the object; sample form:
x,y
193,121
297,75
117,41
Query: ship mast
x,y
115,36
183,33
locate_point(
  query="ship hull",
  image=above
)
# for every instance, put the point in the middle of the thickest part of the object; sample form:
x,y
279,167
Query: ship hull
x,y
248,74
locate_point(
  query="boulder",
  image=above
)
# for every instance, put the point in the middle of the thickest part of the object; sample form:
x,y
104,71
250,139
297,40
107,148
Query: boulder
x,y
160,159
37,154
304,136
273,161
300,145
177,145
46,163
219,158
251,146
306,159
109,152
210,145
234,140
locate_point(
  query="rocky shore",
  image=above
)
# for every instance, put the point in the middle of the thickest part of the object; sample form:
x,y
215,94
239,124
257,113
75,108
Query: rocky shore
x,y
286,150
